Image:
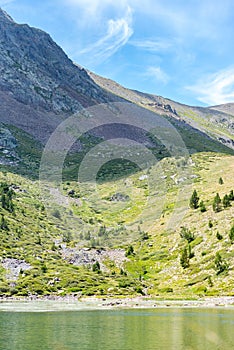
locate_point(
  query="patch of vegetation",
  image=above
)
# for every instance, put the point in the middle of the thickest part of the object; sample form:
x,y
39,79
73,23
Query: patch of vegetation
x,y
49,238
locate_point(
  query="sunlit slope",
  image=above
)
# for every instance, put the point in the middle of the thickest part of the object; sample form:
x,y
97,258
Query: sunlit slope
x,y
141,215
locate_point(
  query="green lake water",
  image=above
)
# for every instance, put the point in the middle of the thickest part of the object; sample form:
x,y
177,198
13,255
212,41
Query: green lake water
x,y
134,329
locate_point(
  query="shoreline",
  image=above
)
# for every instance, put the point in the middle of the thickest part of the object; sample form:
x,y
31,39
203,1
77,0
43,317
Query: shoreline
x,y
72,303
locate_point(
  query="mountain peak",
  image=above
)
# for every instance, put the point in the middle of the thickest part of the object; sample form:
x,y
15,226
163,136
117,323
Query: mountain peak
x,y
4,16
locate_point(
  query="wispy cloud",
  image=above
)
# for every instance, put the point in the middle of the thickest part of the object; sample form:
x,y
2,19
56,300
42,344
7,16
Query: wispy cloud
x,y
6,2
152,45
157,73
92,11
118,33
216,88
189,19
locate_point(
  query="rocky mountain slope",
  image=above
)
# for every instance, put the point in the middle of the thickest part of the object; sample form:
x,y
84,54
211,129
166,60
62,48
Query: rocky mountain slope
x,y
39,84
216,121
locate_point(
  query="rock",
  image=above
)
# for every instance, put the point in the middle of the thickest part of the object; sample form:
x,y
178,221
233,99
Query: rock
x,y
143,177
119,197
39,84
84,257
14,267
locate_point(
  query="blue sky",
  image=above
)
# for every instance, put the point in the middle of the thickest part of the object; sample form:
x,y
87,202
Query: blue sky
x,y
183,50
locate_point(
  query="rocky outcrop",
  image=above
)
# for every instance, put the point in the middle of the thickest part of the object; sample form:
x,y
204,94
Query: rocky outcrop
x,y
8,144
14,267
87,257
119,197
39,84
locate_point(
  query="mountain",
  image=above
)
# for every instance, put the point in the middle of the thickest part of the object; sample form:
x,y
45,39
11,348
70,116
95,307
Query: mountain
x,y
132,231
216,121
39,84
40,87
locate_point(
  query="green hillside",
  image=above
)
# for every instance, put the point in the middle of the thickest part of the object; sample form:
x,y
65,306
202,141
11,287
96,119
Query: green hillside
x,y
126,238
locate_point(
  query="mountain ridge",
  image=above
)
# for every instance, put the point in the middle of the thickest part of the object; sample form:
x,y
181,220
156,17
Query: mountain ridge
x,y
41,85
195,116
38,78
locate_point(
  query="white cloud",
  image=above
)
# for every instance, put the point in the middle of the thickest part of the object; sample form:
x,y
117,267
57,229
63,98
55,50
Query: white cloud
x,y
6,2
118,33
191,19
216,88
152,45
156,73
93,10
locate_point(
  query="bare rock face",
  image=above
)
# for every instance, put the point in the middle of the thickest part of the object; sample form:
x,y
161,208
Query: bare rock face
x,y
8,144
14,267
39,84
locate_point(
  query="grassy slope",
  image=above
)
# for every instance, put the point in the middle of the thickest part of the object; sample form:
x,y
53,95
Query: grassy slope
x,y
217,122
155,266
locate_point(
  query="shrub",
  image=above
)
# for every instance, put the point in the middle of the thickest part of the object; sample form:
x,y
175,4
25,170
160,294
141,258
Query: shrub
x,y
190,253
187,234
129,251
220,264
96,267
220,181
219,236
210,224
202,207
56,214
231,234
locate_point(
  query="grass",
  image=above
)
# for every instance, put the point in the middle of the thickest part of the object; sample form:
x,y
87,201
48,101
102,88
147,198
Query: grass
x,y
142,221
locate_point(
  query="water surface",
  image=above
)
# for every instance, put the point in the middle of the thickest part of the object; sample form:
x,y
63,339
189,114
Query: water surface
x,y
134,329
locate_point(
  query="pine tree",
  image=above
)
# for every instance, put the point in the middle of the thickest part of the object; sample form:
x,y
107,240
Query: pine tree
x,y
226,201
220,264
231,195
6,197
3,223
184,259
194,200
217,203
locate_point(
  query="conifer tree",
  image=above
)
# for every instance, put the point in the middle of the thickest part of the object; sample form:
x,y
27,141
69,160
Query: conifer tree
x,y
226,201
231,195
3,223
194,200
217,203
184,259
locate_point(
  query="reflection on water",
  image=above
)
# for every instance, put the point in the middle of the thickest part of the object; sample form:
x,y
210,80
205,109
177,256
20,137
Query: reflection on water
x,y
174,329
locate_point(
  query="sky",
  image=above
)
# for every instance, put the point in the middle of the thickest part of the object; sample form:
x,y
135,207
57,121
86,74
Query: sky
x,y
179,49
